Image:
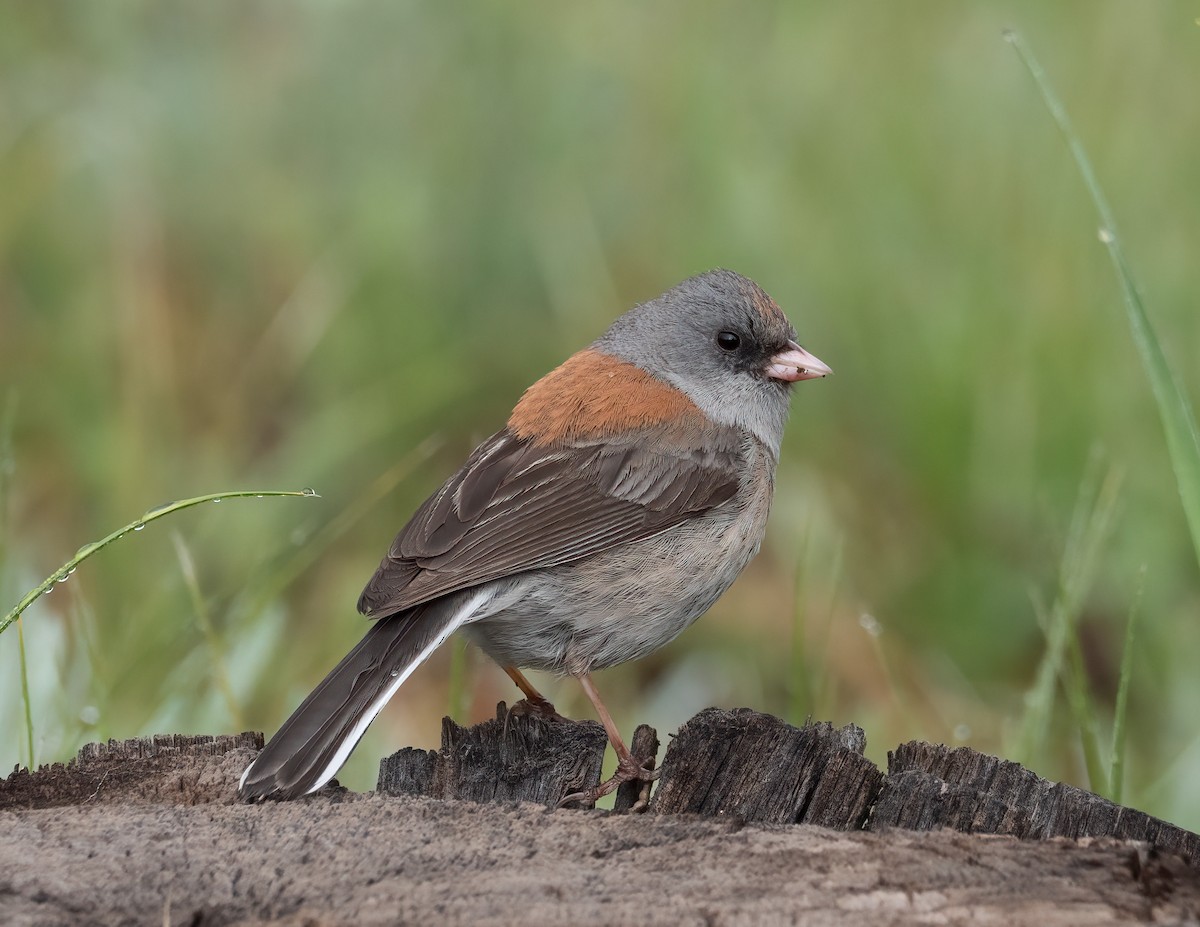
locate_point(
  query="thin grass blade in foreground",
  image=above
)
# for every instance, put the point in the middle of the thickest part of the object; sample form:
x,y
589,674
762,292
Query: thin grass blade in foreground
x,y
216,652
1183,441
1089,528
1116,771
7,467
61,574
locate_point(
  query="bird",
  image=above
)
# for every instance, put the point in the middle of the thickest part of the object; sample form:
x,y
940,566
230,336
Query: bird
x,y
627,490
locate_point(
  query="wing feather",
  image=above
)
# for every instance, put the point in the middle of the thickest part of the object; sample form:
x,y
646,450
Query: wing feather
x,y
516,506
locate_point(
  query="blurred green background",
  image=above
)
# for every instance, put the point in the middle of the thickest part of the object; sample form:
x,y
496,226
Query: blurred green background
x,y
327,244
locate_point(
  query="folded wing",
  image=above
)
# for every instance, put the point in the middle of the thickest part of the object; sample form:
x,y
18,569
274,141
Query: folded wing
x,y
517,506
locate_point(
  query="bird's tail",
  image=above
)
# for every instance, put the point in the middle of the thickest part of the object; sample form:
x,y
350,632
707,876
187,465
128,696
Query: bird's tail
x,y
315,741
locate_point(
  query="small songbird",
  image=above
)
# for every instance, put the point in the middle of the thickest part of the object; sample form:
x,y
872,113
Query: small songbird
x,y
628,490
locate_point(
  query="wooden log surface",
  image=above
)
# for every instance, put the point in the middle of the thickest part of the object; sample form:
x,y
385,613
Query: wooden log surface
x,y
159,768
635,795
134,847
755,767
930,786
513,757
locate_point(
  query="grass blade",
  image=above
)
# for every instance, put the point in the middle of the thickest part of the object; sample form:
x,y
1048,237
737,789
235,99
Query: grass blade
x,y
1062,661
61,574
1179,424
1116,773
7,467
25,692
1079,698
216,650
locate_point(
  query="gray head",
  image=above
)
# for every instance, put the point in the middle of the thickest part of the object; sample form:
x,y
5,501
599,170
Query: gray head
x,y
725,343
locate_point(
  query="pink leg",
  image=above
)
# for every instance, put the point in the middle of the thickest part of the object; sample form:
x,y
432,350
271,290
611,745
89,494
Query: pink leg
x,y
537,703
628,768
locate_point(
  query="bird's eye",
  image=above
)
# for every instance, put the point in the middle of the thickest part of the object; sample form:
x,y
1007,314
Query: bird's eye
x,y
728,341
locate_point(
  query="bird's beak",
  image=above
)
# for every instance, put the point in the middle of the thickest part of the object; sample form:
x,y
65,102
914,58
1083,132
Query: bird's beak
x,y
796,364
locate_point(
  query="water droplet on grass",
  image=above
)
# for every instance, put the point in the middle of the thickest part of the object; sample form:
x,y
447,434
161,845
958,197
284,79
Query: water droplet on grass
x,y
870,624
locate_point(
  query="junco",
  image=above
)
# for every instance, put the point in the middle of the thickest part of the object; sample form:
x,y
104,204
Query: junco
x,y
628,490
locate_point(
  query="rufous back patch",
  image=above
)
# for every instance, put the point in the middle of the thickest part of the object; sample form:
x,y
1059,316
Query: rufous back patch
x,y
592,395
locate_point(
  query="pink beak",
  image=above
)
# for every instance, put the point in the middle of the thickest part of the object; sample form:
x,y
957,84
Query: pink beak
x,y
797,364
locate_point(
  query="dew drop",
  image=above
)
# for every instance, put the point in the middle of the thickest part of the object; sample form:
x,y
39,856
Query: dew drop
x,y
216,500
395,673
870,624
85,550
1105,235
72,570
63,578
308,491
139,526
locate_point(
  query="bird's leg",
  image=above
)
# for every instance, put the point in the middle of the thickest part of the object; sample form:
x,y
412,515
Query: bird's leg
x,y
535,703
628,768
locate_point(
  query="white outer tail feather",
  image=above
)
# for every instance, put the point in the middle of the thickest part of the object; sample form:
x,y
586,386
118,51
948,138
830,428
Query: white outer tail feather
x,y
461,617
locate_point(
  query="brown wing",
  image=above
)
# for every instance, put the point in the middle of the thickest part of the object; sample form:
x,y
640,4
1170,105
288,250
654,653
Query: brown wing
x,y
517,506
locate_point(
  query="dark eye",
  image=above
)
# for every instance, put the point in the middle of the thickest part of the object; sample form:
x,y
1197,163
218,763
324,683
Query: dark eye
x,y
728,341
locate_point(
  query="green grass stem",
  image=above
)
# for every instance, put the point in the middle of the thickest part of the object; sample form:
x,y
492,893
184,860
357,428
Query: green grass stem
x,y
1061,662
1083,709
60,575
1179,424
7,466
216,649
25,693
1116,772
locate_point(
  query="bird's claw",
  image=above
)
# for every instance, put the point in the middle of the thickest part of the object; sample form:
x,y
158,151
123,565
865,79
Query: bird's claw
x,y
627,770
536,708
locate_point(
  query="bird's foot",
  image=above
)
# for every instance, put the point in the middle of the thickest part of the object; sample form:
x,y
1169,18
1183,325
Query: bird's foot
x,y
627,770
537,707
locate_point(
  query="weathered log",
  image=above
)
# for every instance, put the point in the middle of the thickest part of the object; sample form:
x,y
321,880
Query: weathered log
x,y
380,860
175,768
758,768
514,757
930,786
635,793
741,764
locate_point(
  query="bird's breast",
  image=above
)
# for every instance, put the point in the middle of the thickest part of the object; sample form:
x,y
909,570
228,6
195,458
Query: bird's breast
x,y
626,602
